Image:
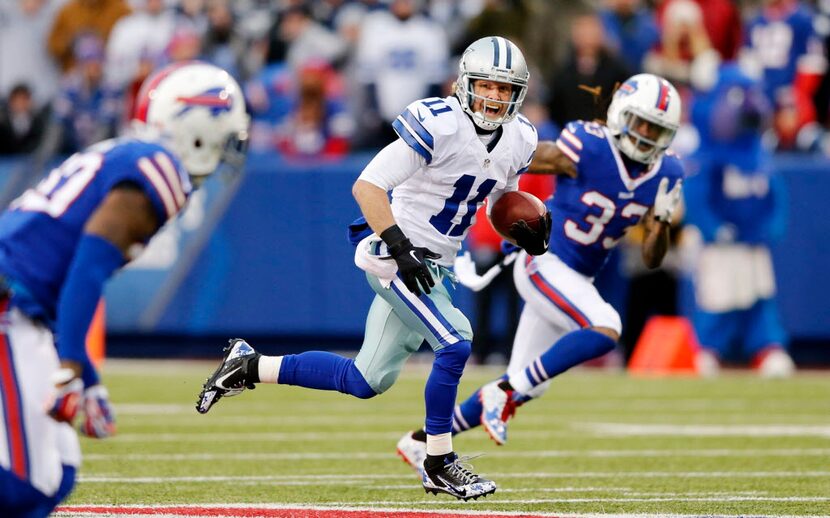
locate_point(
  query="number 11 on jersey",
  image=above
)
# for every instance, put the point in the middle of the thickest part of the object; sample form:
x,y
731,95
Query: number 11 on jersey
x,y
443,220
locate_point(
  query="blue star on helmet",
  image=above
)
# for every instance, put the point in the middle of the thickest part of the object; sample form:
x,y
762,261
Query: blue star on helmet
x,y
217,100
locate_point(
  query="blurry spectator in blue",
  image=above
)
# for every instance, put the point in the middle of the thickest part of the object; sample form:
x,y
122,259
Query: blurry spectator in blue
x,y
146,31
24,27
22,123
782,41
592,66
401,55
630,30
737,205
269,96
318,125
301,114
86,110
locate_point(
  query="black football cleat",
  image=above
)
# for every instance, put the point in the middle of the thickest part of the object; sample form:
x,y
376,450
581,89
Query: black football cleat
x,y
455,477
231,378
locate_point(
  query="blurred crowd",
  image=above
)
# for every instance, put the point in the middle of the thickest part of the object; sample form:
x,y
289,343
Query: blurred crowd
x,y
325,77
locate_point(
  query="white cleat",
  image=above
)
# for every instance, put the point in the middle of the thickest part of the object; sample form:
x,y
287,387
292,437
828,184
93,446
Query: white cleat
x,y
413,453
707,363
497,407
776,363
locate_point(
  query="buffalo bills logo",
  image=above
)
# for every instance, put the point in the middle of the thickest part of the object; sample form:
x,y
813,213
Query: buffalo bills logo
x,y
627,88
217,100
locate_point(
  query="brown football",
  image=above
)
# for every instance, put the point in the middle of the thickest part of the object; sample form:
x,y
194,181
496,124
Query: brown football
x,y
512,207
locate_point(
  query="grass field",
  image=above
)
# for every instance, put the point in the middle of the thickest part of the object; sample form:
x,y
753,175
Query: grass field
x,y
598,443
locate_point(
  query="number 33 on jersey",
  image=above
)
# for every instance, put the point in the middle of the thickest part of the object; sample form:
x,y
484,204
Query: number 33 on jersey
x,y
592,212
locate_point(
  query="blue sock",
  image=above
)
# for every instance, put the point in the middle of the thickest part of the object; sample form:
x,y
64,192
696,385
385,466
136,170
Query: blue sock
x,y
572,349
442,386
468,414
324,371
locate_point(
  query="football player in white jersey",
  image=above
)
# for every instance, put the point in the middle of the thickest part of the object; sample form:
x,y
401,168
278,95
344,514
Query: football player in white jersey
x,y
452,154
612,177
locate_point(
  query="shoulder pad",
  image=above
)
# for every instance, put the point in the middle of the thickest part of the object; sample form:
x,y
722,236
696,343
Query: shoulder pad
x,y
424,120
528,130
577,137
152,167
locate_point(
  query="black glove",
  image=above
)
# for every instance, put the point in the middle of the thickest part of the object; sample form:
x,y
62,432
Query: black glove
x,y
534,242
410,259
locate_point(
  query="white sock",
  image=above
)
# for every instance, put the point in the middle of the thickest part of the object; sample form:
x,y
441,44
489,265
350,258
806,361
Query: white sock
x,y
269,369
520,382
440,444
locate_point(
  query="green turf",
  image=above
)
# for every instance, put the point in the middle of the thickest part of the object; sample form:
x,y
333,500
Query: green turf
x,y
736,445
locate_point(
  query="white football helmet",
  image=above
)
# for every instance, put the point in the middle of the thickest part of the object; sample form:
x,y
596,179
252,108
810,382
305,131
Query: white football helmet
x,y
494,59
644,116
198,111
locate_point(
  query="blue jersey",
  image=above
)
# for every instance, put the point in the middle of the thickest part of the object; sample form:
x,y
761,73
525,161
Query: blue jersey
x,y
735,186
40,230
592,212
781,45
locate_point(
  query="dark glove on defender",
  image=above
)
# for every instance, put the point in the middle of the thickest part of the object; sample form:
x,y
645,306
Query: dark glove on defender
x,y
534,242
411,260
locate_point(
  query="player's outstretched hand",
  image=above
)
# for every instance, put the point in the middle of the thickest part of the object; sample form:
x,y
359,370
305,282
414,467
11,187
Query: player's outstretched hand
x,y
68,395
99,421
412,266
666,201
533,240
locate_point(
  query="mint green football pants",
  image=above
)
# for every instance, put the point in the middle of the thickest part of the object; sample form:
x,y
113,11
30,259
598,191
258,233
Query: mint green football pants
x,y
397,324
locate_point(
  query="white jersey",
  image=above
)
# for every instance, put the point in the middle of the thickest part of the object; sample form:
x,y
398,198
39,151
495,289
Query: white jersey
x,y
401,58
436,204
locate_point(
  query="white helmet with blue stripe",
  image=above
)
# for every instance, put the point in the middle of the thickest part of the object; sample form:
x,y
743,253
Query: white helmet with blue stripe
x,y
644,116
493,59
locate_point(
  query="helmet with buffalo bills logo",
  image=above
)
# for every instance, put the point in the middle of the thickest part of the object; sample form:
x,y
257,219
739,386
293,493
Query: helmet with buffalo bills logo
x,y
644,116
492,59
198,111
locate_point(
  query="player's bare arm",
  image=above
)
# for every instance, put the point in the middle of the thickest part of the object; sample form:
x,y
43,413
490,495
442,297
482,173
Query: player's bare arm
x,y
374,204
656,240
658,220
549,159
125,217
411,260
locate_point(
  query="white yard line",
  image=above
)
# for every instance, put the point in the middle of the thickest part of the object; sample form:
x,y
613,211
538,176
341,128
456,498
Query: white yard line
x,y
706,430
598,429
341,479
719,452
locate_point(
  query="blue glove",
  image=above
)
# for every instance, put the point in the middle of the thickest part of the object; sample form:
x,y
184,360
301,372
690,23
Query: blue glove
x,y
100,418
